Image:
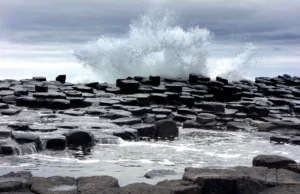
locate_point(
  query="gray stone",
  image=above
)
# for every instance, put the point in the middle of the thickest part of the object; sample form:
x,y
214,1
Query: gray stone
x,y
10,111
56,143
280,139
42,128
159,173
180,186
166,129
272,161
53,185
92,185
7,186
3,106
126,134
143,188
197,125
74,112
282,189
80,138
6,93
234,126
146,130
20,126
161,111
205,118
213,107
294,140
60,104
127,121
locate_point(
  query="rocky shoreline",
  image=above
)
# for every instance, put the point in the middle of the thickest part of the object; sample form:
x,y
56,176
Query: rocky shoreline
x,y
38,115
270,174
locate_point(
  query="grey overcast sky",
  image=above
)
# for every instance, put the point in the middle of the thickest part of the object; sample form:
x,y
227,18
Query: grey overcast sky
x,y
39,36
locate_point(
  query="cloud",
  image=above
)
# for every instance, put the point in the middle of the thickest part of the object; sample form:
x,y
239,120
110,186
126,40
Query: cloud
x,y
80,21
45,31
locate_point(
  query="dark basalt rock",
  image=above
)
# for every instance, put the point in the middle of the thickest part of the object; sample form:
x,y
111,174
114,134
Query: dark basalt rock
x,y
113,90
20,92
41,88
194,124
166,129
4,133
24,149
61,78
159,89
282,189
129,86
4,86
159,173
293,167
180,186
27,101
159,98
109,102
294,140
77,102
8,186
223,80
4,106
42,128
177,88
205,118
60,104
6,93
56,143
67,126
11,99
74,112
40,78
89,185
280,139
80,138
183,118
155,80
53,185
149,120
146,130
127,121
86,89
24,138
236,125
96,112
163,111
194,78
10,111
272,161
213,107
238,180
143,188
126,134
73,93
139,111
187,100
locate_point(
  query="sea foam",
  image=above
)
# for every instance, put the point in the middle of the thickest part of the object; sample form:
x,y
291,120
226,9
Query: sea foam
x,y
156,45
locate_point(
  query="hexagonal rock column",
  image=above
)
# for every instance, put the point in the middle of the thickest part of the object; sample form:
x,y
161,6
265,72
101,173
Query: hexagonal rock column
x,y
80,138
167,129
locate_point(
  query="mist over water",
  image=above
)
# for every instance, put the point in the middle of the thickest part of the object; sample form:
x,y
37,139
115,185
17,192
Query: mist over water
x,y
156,45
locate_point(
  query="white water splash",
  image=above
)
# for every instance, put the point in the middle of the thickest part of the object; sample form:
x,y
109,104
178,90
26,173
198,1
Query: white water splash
x,y
156,45
235,68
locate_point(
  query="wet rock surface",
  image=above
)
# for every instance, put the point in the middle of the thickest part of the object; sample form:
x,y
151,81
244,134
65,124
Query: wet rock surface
x,y
39,116
237,180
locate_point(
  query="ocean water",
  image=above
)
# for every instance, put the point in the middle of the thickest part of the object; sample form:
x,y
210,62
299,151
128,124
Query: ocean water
x,y
129,161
